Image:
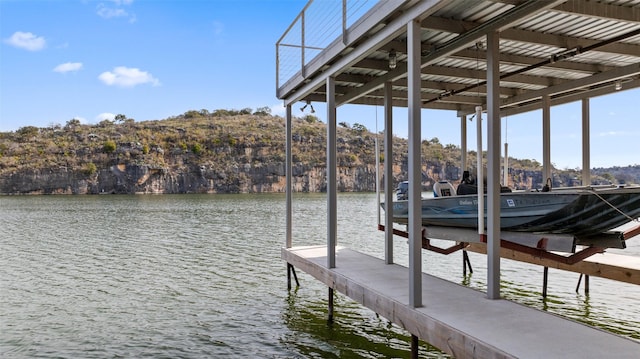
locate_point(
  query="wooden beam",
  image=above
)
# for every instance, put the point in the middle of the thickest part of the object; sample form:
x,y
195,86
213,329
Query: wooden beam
x,y
610,266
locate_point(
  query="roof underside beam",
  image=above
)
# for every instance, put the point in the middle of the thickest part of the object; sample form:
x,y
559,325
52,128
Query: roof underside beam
x,y
600,10
533,37
509,18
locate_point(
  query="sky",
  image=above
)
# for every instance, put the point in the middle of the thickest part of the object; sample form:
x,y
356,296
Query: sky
x,y
150,60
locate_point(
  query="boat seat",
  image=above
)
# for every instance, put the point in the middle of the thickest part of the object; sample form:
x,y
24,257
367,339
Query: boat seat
x,y
443,189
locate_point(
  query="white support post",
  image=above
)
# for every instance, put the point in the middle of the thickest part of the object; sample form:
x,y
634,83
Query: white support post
x,y
288,180
546,139
463,142
332,174
415,168
388,173
480,171
505,173
493,165
586,146
377,152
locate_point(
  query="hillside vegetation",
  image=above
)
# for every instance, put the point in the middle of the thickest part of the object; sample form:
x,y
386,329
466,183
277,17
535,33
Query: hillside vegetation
x,y
226,151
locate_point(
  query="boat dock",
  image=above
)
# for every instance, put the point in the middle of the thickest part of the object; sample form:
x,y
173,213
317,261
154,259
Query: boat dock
x,y
480,61
459,320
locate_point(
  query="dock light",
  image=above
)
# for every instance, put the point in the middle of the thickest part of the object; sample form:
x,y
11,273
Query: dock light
x,y
305,106
393,59
618,85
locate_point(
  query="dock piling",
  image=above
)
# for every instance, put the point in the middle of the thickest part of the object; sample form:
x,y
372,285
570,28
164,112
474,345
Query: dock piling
x,y
415,345
586,283
291,269
466,263
545,280
330,318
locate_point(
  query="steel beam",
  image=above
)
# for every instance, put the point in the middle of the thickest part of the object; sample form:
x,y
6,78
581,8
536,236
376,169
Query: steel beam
x,y
415,167
493,165
546,139
388,172
332,174
288,180
586,146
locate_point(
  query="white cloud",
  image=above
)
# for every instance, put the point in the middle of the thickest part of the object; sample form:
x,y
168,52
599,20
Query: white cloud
x,y
68,67
105,116
108,12
609,134
127,77
278,110
27,41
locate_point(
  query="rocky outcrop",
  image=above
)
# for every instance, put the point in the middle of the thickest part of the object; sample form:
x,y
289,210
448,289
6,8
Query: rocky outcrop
x,y
136,179
44,181
246,178
230,154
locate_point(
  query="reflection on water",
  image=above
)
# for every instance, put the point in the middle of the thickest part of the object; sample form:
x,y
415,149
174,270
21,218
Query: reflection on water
x,y
354,333
201,276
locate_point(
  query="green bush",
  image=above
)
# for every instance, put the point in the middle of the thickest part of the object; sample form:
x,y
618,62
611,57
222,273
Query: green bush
x,y
90,169
109,146
196,148
27,132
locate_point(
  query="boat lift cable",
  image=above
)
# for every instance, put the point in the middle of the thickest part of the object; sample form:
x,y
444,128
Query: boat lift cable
x,y
614,207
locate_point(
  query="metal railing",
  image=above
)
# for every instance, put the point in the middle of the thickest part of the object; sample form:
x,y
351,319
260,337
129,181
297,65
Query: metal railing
x,y
318,25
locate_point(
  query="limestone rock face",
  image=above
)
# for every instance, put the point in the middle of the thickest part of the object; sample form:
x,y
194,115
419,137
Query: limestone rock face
x,y
202,152
44,181
131,179
245,178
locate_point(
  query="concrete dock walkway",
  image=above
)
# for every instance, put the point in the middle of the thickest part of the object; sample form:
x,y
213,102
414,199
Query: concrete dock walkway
x,y
458,320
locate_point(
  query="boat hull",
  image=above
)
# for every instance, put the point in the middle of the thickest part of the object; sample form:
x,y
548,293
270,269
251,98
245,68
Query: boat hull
x,y
578,212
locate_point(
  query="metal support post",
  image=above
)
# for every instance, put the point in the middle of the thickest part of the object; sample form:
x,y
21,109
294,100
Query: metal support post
x,y
466,263
463,142
586,152
415,164
330,318
289,176
545,278
586,284
332,174
579,281
388,172
546,139
415,346
493,165
291,270
288,276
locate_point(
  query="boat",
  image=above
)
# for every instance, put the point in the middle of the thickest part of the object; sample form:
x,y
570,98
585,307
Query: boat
x,y
577,211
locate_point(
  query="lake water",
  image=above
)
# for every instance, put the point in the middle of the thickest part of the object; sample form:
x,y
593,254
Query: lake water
x,y
201,276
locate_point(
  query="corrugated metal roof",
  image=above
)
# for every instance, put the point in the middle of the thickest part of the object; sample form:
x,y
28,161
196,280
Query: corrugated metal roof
x,y
573,37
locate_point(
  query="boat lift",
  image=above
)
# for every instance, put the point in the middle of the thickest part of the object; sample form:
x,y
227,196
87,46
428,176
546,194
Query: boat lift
x,y
542,246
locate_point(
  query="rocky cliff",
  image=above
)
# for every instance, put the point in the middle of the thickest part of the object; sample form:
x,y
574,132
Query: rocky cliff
x,y
218,153
230,154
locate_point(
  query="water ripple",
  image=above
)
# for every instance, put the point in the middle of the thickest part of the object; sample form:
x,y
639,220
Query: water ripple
x,y
201,276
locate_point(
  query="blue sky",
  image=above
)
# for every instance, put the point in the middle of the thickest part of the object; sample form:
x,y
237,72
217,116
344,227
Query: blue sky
x,y
150,60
